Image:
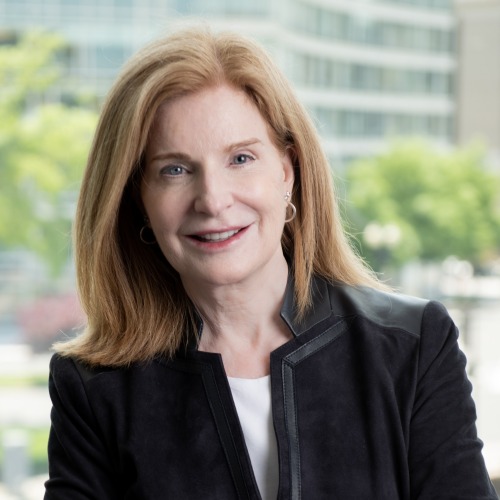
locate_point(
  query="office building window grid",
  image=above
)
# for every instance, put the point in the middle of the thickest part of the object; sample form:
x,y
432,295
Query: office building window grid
x,y
314,71
348,123
433,4
343,26
392,53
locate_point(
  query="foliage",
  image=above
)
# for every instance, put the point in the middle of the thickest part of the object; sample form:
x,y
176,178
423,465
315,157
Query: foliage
x,y
43,148
37,439
23,381
443,203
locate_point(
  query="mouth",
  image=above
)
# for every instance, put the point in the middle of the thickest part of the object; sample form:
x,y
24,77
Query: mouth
x,y
216,237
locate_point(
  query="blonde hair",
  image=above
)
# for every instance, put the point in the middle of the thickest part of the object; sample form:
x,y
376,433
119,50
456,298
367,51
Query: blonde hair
x,y
134,300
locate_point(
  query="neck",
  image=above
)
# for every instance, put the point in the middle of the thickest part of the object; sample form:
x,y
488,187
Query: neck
x,y
242,320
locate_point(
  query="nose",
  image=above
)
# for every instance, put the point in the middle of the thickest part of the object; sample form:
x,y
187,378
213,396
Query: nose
x,y
214,194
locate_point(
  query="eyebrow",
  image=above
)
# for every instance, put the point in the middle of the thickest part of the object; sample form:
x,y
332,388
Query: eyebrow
x,y
227,149
242,144
166,156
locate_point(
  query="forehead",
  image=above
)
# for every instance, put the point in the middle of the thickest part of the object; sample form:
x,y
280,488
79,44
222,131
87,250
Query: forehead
x,y
213,115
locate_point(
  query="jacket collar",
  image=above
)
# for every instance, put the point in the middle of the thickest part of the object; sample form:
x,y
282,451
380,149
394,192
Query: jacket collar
x,y
320,306
320,309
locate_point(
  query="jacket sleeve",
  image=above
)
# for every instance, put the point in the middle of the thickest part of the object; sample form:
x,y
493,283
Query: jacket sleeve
x,y
445,457
79,464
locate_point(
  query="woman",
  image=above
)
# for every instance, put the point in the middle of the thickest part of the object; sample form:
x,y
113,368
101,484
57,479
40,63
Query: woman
x,y
236,347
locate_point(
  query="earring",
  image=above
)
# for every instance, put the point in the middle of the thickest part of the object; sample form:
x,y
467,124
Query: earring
x,y
291,205
141,233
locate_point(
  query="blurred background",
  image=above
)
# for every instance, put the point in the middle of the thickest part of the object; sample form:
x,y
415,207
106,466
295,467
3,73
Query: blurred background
x,y
405,94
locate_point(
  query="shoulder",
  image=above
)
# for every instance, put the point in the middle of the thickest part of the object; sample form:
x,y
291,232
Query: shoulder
x,y
385,309
77,382
74,378
381,315
68,368
333,301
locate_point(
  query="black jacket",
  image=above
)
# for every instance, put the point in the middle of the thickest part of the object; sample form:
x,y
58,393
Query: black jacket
x,y
370,401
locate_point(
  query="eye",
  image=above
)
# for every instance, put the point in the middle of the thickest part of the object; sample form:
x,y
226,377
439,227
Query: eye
x,y
173,170
242,158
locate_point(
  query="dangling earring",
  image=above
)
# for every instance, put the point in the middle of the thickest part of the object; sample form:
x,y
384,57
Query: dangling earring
x,y
141,233
291,205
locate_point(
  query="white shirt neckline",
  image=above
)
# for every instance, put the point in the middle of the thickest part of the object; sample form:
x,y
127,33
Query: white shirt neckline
x,y
252,398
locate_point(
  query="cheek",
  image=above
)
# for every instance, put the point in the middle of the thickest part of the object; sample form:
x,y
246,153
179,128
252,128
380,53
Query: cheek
x,y
265,200
268,201
162,213
265,186
276,205
165,221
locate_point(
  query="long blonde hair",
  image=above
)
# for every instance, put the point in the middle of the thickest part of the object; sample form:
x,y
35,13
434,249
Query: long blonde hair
x,y
134,301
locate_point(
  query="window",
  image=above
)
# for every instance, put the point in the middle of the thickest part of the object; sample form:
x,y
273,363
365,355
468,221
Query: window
x,y
315,71
345,123
328,23
220,7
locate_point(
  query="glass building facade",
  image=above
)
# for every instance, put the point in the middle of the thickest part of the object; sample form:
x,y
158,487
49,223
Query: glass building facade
x,y
366,69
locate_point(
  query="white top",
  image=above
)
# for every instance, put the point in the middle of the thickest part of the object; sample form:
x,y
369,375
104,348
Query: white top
x,y
252,398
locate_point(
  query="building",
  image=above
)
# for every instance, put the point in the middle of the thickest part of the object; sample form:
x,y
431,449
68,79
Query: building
x,y
478,74
368,70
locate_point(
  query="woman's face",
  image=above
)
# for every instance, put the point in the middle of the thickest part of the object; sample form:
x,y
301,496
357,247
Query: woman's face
x,y
214,187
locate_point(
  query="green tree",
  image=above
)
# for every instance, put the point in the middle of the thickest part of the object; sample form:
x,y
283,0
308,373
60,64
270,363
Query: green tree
x,y
43,149
438,204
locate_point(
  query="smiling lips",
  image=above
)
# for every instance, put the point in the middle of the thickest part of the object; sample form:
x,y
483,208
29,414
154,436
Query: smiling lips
x,y
217,237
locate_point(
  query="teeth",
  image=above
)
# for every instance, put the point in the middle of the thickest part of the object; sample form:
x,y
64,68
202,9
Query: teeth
x,y
219,236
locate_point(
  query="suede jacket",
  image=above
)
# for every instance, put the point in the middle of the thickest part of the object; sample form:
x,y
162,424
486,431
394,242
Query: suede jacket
x,y
370,400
